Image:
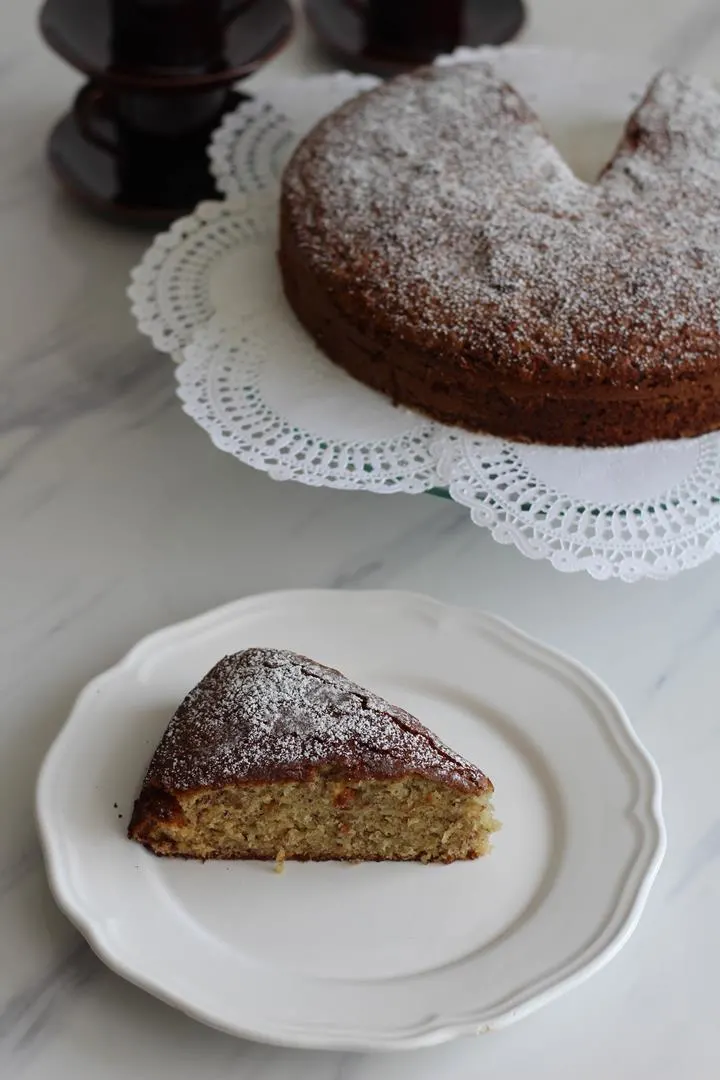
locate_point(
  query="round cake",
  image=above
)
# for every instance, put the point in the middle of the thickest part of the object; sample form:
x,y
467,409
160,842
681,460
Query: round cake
x,y
437,246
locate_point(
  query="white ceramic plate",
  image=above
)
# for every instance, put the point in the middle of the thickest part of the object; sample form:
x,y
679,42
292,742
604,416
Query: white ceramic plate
x,y
372,956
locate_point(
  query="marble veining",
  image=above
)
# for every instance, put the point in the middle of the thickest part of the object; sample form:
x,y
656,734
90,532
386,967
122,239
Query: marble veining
x,y
119,517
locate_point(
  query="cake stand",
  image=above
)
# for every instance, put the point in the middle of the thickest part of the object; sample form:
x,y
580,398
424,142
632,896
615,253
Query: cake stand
x,y
208,292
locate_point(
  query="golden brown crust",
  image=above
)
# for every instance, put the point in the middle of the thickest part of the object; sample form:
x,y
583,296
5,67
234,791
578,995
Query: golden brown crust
x,y
264,715
153,806
258,856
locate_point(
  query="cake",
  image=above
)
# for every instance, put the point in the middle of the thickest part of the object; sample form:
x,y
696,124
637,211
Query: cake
x,y
274,756
437,246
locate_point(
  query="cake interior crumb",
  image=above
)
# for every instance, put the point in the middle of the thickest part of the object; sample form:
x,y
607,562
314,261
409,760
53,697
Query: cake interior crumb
x,y
412,818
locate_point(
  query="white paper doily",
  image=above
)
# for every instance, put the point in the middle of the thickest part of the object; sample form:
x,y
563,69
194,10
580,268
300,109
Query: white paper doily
x,y
249,149
282,407
208,292
641,511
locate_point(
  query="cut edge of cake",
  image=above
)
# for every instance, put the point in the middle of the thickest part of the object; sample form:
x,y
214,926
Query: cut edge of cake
x,y
275,756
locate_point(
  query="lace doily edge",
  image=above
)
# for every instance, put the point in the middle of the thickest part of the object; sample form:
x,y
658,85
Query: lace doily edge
x,y
141,290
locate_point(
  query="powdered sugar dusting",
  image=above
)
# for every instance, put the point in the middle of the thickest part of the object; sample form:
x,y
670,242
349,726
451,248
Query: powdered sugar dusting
x,y
271,714
450,217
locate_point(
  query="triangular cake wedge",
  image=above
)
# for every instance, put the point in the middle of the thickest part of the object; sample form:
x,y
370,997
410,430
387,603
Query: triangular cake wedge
x,y
274,756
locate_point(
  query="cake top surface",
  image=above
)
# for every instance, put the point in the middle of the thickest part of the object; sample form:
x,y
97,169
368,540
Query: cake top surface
x,y
269,714
442,208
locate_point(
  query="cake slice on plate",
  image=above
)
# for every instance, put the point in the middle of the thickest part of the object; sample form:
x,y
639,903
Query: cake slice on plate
x,y
274,756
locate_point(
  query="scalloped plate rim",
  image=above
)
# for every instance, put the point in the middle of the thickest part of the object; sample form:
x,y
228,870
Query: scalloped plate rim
x,y
434,1029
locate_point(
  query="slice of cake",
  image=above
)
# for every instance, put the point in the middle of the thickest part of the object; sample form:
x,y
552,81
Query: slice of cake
x,y
274,756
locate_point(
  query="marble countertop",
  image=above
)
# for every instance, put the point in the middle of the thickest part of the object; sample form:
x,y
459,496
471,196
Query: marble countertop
x,y
119,517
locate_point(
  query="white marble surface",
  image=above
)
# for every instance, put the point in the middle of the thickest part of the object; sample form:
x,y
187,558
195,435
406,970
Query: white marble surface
x,y
119,517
